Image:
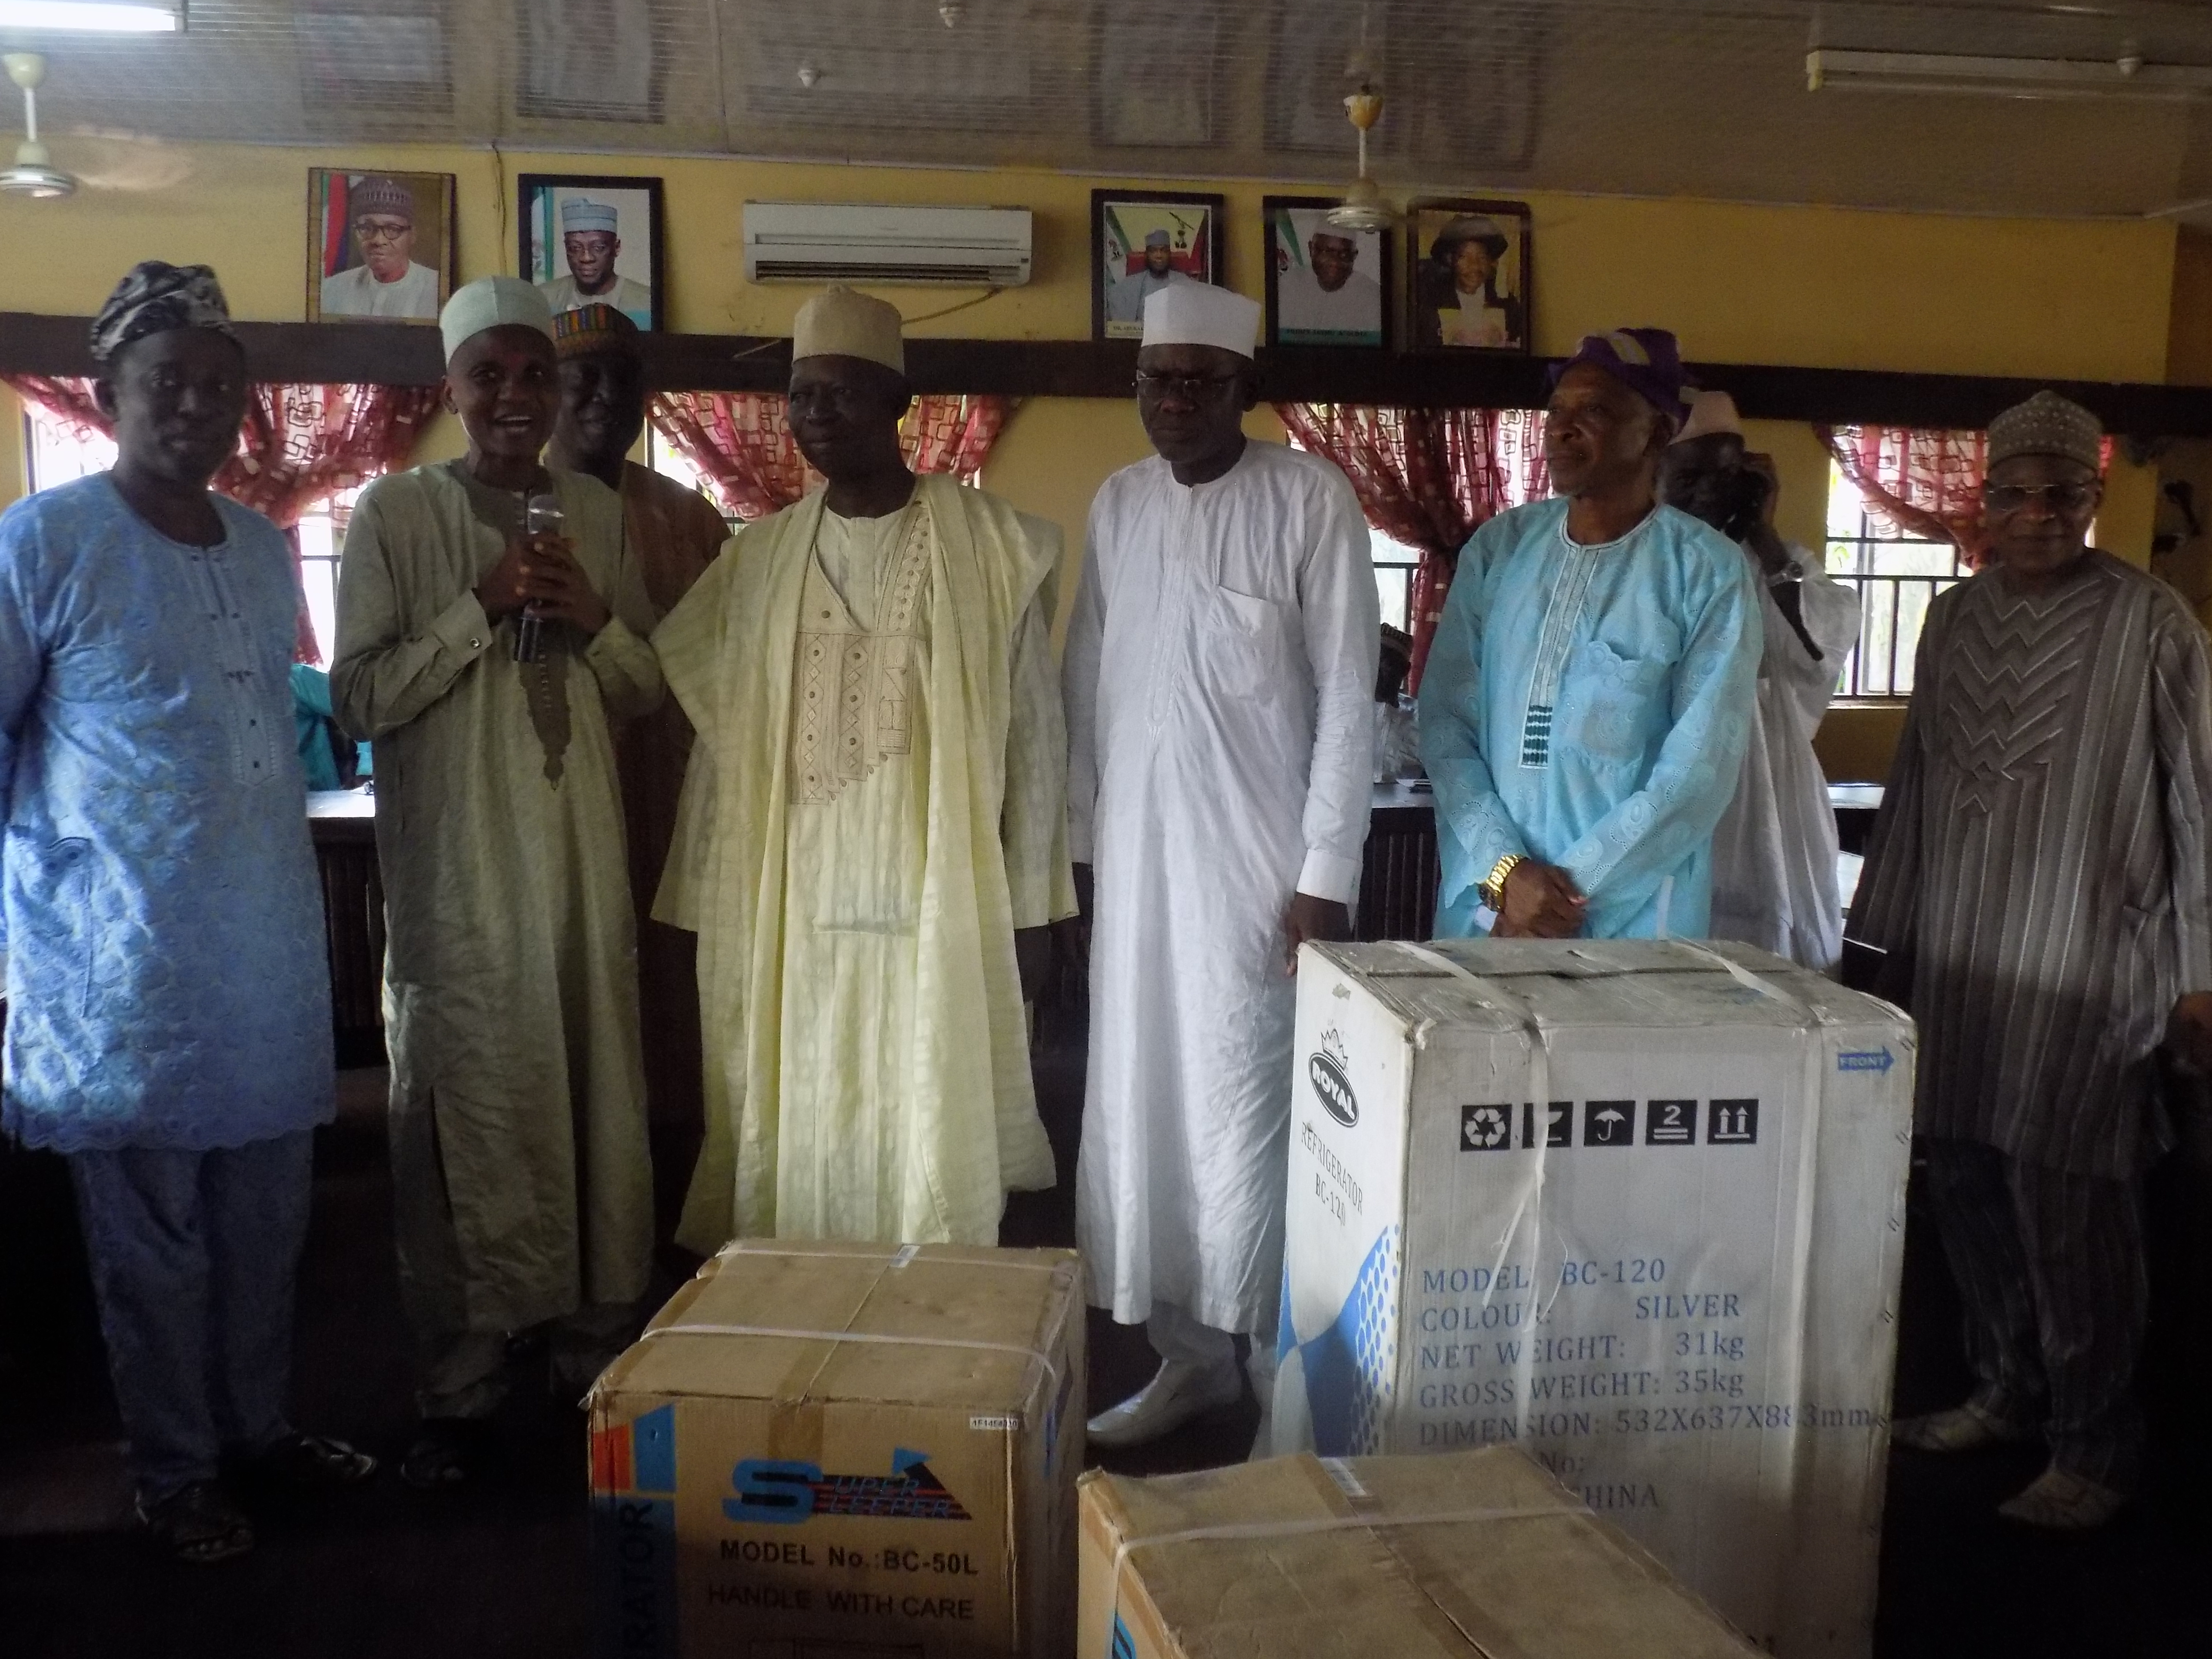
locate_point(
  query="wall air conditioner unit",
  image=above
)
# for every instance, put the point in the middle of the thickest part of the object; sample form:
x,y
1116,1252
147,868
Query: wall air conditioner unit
x,y
925,247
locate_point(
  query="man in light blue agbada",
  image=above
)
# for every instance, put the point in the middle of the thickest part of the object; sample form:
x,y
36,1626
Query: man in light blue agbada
x,y
169,1026
1589,691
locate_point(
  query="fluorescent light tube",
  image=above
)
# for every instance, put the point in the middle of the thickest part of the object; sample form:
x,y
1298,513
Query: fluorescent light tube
x,y
85,16
1831,69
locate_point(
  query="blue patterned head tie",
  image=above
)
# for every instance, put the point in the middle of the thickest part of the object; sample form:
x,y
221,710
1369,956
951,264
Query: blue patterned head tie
x,y
1647,360
156,298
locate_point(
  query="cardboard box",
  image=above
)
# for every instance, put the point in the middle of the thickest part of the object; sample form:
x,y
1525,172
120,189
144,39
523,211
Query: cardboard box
x,y
1474,1555
844,1451
1637,1207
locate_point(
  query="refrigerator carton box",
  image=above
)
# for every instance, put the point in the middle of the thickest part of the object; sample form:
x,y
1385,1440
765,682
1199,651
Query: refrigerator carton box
x,y
1635,1207
844,1451
1469,1555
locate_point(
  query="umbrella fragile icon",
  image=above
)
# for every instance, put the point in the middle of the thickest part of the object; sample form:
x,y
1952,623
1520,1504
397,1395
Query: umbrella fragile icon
x,y
1609,1123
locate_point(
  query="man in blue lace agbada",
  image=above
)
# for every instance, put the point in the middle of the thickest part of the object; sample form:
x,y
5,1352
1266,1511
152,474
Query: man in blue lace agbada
x,y
169,1030
1589,691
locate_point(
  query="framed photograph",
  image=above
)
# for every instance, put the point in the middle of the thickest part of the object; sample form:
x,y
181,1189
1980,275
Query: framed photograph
x,y
380,246
1466,275
1141,241
1326,286
589,239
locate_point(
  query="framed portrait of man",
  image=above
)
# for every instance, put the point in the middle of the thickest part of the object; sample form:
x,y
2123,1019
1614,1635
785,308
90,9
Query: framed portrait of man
x,y
1142,242
1467,283
1327,285
589,239
380,246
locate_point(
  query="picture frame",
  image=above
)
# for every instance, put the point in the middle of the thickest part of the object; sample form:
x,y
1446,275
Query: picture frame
x,y
1124,225
1441,257
577,228
1305,308
381,246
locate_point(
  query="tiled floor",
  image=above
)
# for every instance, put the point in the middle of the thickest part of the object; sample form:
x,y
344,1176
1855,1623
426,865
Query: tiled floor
x,y
392,1574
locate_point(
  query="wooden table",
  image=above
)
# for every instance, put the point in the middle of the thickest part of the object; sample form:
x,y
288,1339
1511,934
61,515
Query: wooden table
x,y
1398,878
342,822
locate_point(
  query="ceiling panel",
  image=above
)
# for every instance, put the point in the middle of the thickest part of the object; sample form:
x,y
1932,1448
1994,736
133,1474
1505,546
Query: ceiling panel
x,y
1698,97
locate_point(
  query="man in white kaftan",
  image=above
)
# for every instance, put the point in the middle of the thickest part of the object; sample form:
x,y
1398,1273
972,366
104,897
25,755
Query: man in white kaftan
x,y
522,1181
1220,672
1774,851
873,836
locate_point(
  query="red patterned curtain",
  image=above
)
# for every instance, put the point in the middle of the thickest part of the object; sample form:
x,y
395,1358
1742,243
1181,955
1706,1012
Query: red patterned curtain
x,y
1429,478
741,444
299,445
1926,484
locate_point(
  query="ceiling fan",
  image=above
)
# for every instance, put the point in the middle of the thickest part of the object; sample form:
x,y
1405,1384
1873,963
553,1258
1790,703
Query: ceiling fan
x,y
1362,208
33,173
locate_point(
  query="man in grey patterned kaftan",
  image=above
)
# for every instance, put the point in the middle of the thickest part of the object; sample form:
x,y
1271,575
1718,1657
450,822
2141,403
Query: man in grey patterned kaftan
x,y
2039,882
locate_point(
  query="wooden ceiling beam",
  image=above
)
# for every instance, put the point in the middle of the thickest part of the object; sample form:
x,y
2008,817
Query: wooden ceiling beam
x,y
32,343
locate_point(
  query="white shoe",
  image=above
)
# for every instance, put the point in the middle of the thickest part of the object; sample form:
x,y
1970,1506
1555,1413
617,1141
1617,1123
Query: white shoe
x,y
1178,1392
2062,1501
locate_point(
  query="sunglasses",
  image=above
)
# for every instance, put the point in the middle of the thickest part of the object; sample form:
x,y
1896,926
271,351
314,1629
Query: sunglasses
x,y
2058,497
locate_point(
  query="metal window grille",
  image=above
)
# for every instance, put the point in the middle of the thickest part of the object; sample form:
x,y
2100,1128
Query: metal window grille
x,y
1897,576
1395,564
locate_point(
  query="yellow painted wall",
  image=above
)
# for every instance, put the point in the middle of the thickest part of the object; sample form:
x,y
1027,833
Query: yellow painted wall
x,y
1818,287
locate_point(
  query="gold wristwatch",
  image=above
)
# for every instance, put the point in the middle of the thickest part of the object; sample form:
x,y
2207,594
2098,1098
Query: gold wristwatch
x,y
1491,890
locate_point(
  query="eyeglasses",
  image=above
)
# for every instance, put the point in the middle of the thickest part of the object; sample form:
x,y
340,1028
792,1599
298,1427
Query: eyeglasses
x,y
1191,388
2058,497
381,230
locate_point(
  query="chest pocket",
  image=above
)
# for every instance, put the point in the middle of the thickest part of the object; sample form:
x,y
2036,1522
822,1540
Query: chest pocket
x,y
1617,708
1247,643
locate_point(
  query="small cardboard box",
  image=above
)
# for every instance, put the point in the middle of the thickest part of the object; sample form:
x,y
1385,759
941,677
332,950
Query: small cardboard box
x,y
1635,1206
1469,1555
844,1451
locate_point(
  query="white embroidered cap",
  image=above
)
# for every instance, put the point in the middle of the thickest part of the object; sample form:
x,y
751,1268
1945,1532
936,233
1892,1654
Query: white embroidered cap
x,y
1199,313
581,213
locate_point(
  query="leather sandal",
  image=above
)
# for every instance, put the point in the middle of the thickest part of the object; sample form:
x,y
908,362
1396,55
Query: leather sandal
x,y
198,1525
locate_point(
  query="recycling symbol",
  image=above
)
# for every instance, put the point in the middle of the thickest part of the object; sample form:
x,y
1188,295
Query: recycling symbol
x,y
1485,1128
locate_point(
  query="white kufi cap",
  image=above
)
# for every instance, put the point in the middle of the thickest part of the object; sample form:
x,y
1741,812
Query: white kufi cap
x,y
1199,313
493,302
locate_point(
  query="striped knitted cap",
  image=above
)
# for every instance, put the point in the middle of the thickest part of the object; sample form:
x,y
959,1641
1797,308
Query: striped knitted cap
x,y
592,328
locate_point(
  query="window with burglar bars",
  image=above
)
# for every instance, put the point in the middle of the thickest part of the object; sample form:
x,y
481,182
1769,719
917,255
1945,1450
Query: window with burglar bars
x,y
1896,576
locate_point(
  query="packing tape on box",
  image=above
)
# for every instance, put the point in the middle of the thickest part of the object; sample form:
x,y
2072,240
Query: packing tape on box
x,y
1530,1204
1051,1370
898,1258
1426,1577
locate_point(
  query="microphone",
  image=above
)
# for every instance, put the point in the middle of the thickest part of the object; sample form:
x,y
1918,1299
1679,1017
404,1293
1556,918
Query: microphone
x,y
543,517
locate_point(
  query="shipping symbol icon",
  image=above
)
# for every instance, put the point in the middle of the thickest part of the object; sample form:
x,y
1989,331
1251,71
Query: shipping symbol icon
x,y
1559,1129
1609,1123
1486,1128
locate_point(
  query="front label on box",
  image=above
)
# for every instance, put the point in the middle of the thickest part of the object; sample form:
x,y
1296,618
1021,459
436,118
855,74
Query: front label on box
x,y
781,1494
